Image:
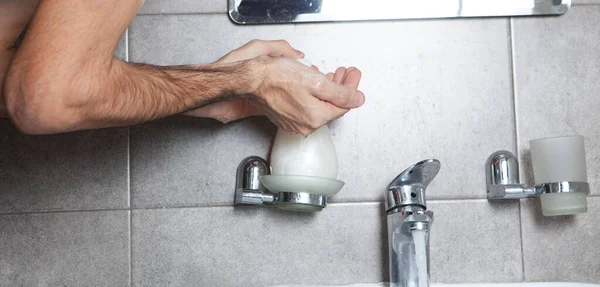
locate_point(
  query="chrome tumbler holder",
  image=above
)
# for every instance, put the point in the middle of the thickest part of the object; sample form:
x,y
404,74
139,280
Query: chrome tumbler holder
x,y
502,178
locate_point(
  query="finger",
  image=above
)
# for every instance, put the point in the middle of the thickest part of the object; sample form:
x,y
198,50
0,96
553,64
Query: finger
x,y
320,114
335,112
280,48
352,78
340,95
339,75
349,70
315,68
330,76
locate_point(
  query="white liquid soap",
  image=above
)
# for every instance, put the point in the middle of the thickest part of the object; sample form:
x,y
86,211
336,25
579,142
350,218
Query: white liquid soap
x,y
305,156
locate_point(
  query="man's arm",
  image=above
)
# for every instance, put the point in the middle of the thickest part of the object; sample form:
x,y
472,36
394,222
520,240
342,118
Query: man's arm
x,y
64,78
14,16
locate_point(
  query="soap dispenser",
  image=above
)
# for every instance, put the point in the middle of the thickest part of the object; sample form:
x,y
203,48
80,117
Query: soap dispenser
x,y
302,173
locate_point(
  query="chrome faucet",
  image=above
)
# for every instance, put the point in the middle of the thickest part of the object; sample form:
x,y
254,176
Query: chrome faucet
x,y
407,214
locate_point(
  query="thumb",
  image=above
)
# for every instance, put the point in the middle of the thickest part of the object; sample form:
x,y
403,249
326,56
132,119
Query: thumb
x,y
280,48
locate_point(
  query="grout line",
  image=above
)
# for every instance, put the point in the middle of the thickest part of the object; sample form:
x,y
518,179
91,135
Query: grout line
x,y
513,71
354,203
130,248
511,43
584,4
515,94
129,195
231,205
114,209
458,199
130,200
522,244
184,14
428,200
184,207
223,205
131,209
63,211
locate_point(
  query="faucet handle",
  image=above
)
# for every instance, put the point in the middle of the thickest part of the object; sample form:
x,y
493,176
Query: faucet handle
x,y
408,188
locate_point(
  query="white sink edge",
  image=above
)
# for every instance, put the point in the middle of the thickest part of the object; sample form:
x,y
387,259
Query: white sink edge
x,y
526,284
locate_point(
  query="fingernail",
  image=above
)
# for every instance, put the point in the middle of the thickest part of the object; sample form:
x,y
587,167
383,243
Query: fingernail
x,y
300,53
359,99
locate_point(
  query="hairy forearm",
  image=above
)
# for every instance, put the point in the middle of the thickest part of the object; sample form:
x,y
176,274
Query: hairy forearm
x,y
5,57
14,17
3,112
99,95
63,77
135,93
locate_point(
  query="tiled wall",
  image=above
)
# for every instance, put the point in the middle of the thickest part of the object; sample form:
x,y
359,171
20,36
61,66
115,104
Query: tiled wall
x,y
150,205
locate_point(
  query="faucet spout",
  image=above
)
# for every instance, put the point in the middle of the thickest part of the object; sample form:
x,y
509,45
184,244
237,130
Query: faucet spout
x,y
408,235
409,223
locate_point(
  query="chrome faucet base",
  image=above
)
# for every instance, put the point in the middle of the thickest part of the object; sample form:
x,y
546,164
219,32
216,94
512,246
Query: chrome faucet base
x,y
250,191
502,180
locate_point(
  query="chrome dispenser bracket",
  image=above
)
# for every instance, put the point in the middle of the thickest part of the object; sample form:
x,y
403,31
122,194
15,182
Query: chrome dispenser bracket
x,y
502,180
249,189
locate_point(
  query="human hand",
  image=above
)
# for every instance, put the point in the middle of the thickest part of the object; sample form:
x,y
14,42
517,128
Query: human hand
x,y
257,48
299,99
239,108
294,97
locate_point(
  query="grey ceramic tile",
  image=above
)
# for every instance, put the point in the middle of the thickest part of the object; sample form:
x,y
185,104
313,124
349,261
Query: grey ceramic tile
x,y
422,100
121,50
65,249
184,161
557,82
446,95
183,6
475,241
189,39
585,2
254,246
562,248
75,171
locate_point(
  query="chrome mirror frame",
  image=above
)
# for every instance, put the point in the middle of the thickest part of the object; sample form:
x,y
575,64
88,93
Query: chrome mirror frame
x,y
250,12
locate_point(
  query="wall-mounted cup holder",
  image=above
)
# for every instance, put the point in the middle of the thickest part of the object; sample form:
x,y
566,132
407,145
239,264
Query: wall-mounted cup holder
x,y
560,173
